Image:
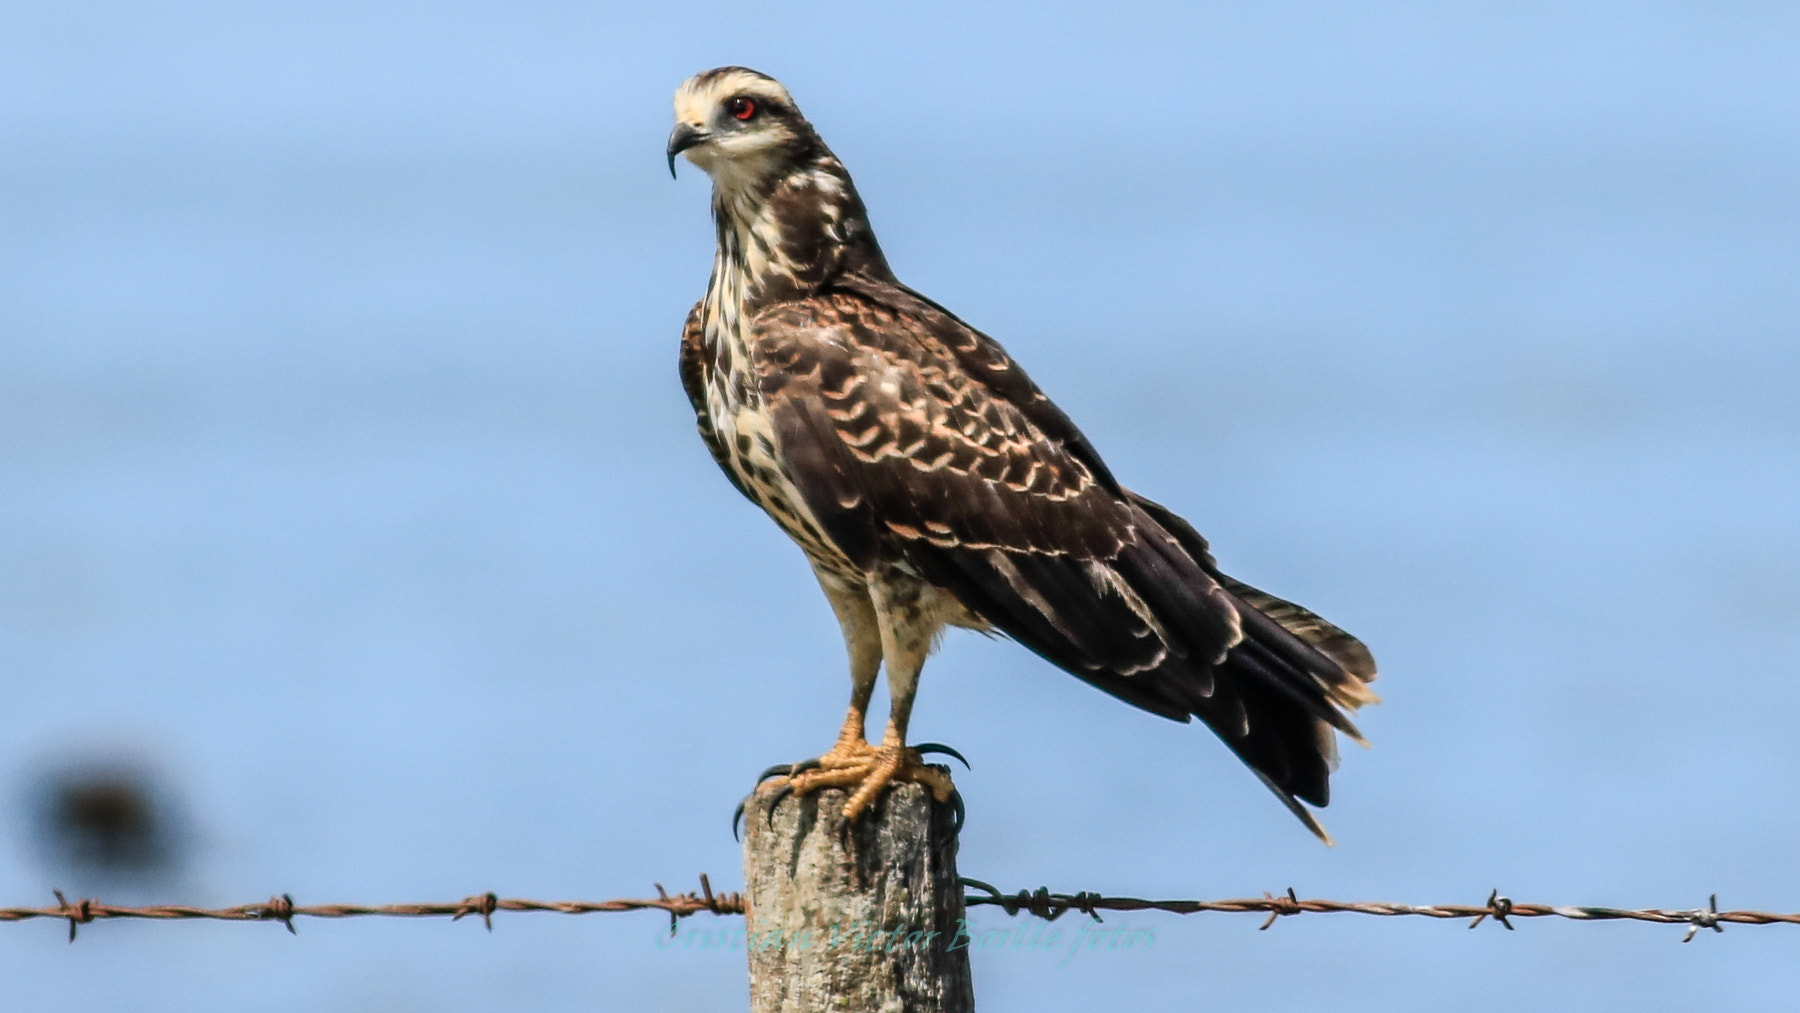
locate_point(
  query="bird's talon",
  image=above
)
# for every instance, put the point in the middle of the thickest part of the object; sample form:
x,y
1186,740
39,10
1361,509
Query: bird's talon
x,y
926,748
774,800
778,769
862,770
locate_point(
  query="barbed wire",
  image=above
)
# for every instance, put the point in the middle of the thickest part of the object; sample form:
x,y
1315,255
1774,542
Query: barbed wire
x,y
1041,902
281,908
1051,906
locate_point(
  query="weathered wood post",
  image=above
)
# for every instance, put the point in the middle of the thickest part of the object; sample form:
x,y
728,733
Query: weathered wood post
x,y
861,917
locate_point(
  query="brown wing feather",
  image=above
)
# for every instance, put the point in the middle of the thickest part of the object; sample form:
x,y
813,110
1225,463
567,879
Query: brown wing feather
x,y
906,454
982,357
1342,665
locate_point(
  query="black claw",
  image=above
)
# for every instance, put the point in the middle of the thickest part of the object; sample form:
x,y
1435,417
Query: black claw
x,y
939,747
956,803
774,800
789,770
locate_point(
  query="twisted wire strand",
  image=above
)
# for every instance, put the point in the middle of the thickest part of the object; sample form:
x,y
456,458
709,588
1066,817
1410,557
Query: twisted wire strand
x,y
281,908
1042,903
1051,906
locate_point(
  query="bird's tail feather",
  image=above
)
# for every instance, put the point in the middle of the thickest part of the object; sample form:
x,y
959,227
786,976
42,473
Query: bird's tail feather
x,y
1161,628
1295,676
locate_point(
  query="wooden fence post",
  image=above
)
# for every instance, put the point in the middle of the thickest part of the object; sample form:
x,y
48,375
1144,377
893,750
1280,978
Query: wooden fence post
x,y
863,917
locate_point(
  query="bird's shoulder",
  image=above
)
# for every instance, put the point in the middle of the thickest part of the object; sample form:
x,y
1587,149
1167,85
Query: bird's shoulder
x,y
891,436
863,329
692,362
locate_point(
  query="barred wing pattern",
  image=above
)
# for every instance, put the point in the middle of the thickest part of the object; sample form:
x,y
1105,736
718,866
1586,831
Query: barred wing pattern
x,y
917,442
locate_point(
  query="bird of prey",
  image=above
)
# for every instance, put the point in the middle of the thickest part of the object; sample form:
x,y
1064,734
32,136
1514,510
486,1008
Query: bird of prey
x,y
931,483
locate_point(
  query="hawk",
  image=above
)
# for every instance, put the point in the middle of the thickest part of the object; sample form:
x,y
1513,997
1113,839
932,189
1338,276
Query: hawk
x,y
932,484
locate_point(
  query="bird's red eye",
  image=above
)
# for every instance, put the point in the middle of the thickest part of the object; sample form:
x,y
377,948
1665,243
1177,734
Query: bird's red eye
x,y
741,108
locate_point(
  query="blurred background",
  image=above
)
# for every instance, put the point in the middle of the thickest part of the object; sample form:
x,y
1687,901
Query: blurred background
x,y
355,542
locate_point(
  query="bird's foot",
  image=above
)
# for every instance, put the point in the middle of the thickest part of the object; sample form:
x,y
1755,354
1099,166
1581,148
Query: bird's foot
x,y
850,752
867,770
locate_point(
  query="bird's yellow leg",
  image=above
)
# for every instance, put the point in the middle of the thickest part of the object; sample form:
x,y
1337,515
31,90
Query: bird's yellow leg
x,y
869,769
851,748
862,642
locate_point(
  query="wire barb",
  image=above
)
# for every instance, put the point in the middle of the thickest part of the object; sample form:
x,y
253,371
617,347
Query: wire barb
x,y
79,913
1042,903
483,904
1497,906
279,908
1279,906
1699,918
673,917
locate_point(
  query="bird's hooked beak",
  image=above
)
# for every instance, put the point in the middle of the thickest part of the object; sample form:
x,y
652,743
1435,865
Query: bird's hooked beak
x,y
683,137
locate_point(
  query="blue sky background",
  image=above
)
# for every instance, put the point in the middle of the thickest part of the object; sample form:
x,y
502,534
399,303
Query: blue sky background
x,y
346,482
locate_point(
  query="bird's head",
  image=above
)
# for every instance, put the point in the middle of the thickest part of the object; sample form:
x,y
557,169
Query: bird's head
x,y
740,126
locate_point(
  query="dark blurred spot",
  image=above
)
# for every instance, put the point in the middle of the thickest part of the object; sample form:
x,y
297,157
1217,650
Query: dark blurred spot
x,y
112,819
